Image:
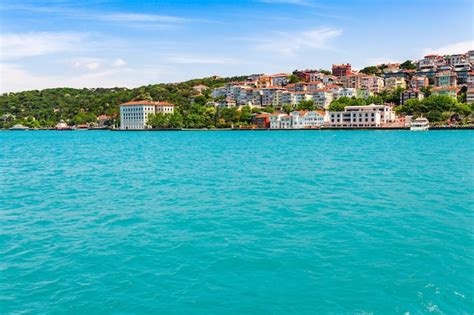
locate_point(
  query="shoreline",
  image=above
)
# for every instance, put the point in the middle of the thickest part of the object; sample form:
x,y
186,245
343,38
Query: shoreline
x,y
433,128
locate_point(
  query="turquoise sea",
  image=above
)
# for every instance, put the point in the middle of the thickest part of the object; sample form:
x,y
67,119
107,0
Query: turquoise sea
x,y
307,222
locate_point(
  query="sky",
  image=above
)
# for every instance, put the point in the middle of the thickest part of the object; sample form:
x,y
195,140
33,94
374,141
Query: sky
x,y
65,43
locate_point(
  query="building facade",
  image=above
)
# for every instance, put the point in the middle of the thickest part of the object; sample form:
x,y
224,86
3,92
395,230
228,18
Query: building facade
x,y
395,82
341,70
411,94
370,116
134,114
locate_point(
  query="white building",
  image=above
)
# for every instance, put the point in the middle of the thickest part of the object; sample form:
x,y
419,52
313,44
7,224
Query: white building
x,y
285,122
134,114
275,120
298,97
297,120
313,119
345,92
322,98
370,116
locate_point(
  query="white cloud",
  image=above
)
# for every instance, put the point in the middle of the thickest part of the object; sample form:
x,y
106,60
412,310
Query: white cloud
x,y
291,43
87,63
15,78
138,17
119,62
20,45
454,48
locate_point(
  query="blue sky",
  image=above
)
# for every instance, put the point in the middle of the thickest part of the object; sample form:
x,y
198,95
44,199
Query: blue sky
x,y
131,43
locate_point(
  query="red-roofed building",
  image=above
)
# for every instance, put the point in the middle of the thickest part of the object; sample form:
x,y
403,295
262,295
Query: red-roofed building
x,y
262,120
134,114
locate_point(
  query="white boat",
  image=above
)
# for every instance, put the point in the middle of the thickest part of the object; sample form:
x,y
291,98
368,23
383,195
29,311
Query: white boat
x,y
420,124
19,127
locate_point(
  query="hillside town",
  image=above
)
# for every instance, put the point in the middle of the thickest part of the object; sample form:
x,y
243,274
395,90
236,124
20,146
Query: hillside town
x,y
439,88
437,75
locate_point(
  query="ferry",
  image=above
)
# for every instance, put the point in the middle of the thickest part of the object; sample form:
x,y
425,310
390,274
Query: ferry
x,y
420,124
19,127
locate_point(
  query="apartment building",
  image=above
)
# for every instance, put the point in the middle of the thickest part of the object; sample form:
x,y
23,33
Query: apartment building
x,y
370,116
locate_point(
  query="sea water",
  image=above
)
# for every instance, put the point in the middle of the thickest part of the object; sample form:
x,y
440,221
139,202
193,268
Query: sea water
x,y
308,222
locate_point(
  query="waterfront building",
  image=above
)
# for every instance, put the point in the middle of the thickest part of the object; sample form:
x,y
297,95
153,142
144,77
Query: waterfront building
x,y
164,108
134,114
262,120
102,120
275,120
411,94
313,119
370,116
285,122
341,70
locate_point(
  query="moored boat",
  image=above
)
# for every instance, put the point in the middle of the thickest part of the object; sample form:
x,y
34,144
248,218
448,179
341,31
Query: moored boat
x,y
19,127
420,124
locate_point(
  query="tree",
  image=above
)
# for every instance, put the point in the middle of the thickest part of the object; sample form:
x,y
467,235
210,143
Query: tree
x,y
374,99
327,72
342,102
426,90
159,120
306,105
462,96
408,65
287,108
143,96
176,120
200,100
269,109
372,70
293,79
435,107
246,114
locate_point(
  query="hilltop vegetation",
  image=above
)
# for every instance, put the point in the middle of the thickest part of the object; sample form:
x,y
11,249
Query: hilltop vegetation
x,y
47,107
